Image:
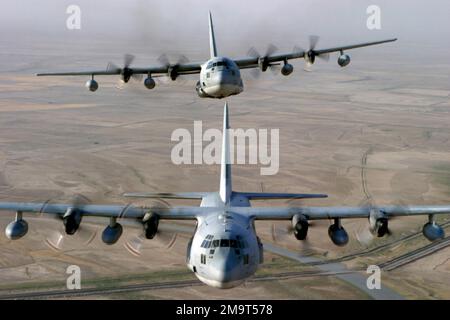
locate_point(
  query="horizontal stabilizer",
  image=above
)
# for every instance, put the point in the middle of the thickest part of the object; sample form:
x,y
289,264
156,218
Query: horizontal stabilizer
x,y
167,195
273,196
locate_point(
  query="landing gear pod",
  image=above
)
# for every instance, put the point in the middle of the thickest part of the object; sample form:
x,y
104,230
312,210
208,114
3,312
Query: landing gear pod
x,y
432,231
337,233
112,232
16,229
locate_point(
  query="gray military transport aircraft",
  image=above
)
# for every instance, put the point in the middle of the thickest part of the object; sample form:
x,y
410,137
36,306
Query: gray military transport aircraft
x,y
225,249
220,77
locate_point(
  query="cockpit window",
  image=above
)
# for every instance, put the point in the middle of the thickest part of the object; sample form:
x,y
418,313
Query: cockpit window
x,y
224,243
223,63
206,244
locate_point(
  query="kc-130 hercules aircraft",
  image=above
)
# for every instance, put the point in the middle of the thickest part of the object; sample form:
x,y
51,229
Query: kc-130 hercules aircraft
x,y
225,248
220,77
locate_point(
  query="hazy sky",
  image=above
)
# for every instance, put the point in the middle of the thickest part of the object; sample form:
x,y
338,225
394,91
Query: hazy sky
x,y
238,23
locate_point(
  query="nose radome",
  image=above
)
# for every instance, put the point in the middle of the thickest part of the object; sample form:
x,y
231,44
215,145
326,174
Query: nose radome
x,y
226,267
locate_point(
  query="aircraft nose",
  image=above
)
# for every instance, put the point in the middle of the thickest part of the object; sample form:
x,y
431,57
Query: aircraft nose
x,y
224,78
226,267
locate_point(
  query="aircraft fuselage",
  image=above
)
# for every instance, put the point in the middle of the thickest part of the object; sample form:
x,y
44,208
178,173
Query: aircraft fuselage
x,y
220,77
225,249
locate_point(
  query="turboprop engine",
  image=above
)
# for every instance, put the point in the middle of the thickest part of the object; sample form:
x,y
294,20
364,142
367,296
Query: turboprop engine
x,y
71,220
300,225
378,223
150,222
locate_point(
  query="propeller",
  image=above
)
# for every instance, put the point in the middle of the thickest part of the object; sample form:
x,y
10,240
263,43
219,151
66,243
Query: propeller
x,y
310,55
59,240
136,243
286,231
126,72
262,60
172,68
365,236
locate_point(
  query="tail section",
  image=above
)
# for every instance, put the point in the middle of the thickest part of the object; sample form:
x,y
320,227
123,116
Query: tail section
x,y
212,38
225,167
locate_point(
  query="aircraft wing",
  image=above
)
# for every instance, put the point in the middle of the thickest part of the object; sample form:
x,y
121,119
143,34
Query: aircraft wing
x,y
115,211
321,213
181,69
254,62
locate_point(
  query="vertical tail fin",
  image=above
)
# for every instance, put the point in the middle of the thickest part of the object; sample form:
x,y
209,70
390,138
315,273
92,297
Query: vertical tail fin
x,y
212,38
225,166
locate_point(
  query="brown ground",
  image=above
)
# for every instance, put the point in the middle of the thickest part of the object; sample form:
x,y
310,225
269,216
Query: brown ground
x,y
57,140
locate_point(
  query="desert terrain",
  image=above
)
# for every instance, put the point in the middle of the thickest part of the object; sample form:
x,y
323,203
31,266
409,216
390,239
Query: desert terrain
x,y
378,130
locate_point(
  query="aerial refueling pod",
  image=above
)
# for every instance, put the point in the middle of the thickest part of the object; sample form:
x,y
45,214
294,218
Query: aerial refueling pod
x,y
112,232
92,85
344,59
287,69
149,82
300,225
72,220
378,223
337,233
16,229
432,231
150,222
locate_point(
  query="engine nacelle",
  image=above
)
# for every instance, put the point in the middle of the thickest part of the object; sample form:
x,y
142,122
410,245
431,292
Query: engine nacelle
x,y
16,229
344,60
379,224
287,69
433,231
71,220
200,91
150,222
149,83
337,234
263,64
92,85
112,233
300,225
